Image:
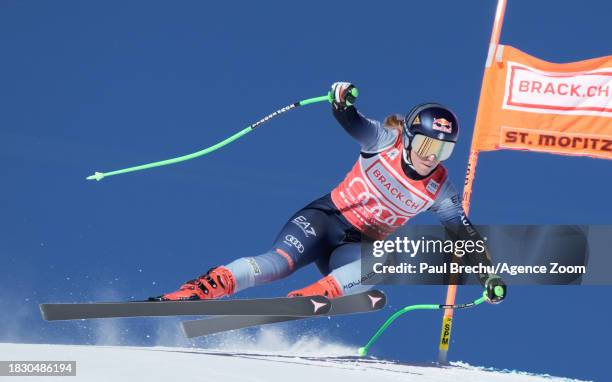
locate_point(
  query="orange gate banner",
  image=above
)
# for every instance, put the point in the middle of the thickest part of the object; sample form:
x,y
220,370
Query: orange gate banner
x,y
530,104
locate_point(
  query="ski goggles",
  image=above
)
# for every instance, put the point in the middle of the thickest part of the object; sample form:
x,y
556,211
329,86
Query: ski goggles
x,y
425,146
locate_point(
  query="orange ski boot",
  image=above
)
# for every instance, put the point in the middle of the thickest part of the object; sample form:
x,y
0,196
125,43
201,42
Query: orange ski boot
x,y
327,286
217,282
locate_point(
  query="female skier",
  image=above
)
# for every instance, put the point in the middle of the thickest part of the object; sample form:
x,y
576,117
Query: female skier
x,y
398,175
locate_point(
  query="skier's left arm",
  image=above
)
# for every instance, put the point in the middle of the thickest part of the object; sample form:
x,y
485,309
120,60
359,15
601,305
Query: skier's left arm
x,y
448,209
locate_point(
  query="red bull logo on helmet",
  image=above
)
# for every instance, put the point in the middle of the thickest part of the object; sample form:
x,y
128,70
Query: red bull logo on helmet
x,y
442,125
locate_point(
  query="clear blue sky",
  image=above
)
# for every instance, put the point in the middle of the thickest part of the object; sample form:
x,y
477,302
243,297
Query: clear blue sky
x,y
96,86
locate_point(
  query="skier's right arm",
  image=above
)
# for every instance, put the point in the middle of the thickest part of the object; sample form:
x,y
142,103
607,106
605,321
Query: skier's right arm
x,y
371,134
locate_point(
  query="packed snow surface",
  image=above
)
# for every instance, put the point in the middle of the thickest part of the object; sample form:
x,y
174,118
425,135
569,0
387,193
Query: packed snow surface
x,y
296,364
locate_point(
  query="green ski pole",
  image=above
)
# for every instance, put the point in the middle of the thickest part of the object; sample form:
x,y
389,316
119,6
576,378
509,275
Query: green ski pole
x,y
328,97
363,351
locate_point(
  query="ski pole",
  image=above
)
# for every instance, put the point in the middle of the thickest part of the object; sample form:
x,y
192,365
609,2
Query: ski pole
x,y
328,97
363,351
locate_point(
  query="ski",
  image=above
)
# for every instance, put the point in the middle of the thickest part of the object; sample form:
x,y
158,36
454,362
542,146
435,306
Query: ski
x,y
358,303
281,306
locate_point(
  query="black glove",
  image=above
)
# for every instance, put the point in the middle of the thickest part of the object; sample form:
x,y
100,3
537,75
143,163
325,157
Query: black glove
x,y
496,289
343,94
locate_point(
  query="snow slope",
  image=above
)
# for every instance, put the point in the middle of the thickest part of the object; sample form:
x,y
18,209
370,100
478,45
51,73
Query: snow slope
x,y
122,363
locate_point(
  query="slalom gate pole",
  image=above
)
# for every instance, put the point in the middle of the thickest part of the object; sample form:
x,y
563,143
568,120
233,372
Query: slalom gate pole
x,y
451,292
328,97
363,351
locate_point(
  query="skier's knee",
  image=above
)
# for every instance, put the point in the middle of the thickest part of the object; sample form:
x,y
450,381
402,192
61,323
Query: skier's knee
x,y
290,264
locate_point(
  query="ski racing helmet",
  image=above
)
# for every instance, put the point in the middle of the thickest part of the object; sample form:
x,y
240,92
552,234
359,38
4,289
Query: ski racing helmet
x,y
430,128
